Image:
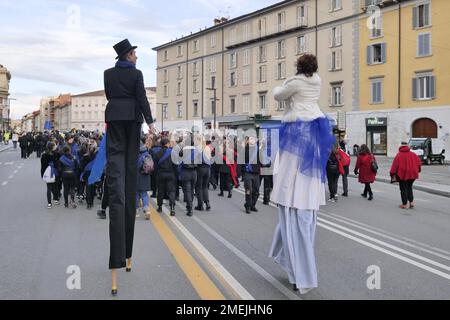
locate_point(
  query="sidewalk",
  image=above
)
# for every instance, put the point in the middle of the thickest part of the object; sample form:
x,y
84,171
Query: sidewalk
x,y
434,179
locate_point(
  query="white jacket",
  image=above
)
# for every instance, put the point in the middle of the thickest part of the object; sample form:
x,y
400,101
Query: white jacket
x,y
302,96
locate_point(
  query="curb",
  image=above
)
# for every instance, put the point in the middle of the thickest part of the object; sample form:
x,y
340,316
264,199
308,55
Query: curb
x,y
415,187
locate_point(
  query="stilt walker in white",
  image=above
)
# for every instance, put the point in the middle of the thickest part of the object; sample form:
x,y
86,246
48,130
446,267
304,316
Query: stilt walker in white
x,y
306,140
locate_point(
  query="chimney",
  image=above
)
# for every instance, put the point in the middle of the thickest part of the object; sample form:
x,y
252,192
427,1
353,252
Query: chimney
x,y
223,20
217,21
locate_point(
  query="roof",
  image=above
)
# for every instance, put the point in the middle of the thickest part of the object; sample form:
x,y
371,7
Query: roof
x,y
91,94
229,22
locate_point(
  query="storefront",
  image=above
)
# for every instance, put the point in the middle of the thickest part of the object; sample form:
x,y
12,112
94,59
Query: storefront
x,y
377,135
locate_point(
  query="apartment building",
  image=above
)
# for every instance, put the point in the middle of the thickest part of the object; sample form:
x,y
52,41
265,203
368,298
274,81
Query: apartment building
x,y
5,78
246,57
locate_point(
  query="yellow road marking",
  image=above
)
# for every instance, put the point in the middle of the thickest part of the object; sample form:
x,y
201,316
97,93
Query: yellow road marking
x,y
201,282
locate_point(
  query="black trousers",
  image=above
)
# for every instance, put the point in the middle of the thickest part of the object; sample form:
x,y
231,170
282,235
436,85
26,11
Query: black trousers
x,y
201,188
167,185
268,187
90,194
23,153
105,196
251,185
69,181
368,190
333,180
52,189
225,182
406,191
345,179
154,185
189,181
214,178
121,175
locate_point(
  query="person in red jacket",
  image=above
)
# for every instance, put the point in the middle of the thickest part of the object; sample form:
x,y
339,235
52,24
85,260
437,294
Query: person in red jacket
x,y
364,169
405,169
344,162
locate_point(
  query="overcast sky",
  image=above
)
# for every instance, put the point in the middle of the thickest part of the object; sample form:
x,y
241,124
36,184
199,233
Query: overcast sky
x,y
59,46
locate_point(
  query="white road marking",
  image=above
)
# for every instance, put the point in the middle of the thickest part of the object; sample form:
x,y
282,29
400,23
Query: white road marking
x,y
388,234
263,273
4,183
10,177
9,163
15,171
393,254
220,271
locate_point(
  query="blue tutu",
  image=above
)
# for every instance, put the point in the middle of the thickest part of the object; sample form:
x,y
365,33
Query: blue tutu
x,y
312,142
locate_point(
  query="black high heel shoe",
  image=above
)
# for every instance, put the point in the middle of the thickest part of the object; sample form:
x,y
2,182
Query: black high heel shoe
x,y
114,292
295,287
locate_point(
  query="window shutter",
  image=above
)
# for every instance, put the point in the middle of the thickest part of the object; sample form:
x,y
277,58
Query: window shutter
x,y
415,17
330,38
433,87
283,49
427,44
283,70
330,5
338,59
383,52
426,12
342,95
369,55
330,62
415,83
330,97
305,18
258,74
339,35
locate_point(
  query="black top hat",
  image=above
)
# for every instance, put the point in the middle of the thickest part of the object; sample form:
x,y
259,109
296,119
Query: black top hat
x,y
123,47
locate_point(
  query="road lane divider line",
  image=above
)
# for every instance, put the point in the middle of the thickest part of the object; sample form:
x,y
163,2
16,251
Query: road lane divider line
x,y
253,265
4,183
236,290
10,177
15,171
388,252
385,244
405,259
410,242
200,281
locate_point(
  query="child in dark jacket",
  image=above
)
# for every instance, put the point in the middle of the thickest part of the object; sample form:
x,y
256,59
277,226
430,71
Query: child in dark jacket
x,y
143,183
69,167
51,158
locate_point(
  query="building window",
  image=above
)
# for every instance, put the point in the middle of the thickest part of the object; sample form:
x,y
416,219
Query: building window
x,y
166,91
422,16
179,72
302,16
424,87
233,79
213,40
166,55
213,82
233,60
165,111
335,61
195,69
281,49
195,108
376,53
336,95
194,86
281,21
377,27
233,35
334,5
247,32
246,57
195,46
232,104
281,105
262,74
335,37
246,103
281,71
262,101
213,65
262,27
179,51
262,54
376,91
166,76
246,77
179,110
179,88
301,45
424,44
213,107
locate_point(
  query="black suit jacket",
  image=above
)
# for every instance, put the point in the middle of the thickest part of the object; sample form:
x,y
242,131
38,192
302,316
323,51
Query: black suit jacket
x,y
127,98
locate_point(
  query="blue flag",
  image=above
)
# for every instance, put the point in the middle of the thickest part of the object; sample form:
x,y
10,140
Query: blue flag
x,y
99,163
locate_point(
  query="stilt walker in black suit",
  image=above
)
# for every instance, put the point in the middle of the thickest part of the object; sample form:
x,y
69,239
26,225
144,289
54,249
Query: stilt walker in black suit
x,y
127,108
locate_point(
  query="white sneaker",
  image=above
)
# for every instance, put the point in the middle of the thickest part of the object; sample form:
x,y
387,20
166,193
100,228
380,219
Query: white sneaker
x,y
49,206
56,202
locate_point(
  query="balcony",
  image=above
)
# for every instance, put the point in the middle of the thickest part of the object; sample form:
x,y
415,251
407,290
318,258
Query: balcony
x,y
266,33
365,4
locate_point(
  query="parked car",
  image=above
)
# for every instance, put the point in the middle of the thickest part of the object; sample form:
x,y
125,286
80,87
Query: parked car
x,y
429,150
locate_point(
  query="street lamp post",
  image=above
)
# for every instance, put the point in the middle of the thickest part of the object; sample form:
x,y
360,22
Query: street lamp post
x,y
162,115
215,105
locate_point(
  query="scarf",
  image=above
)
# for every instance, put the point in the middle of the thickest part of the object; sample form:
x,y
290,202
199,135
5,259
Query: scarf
x,y
125,65
232,169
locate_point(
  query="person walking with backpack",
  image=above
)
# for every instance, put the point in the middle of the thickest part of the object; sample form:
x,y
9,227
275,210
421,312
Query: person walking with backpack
x,y
366,168
144,183
166,176
69,167
50,159
405,169
344,161
334,170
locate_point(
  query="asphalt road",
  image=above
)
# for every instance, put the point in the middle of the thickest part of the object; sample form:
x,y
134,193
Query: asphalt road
x,y
228,248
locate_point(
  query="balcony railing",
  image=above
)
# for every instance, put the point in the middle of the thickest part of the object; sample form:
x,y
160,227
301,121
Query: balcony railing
x,y
268,32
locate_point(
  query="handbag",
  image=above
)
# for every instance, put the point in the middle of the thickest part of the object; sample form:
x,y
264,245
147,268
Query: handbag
x,y
49,176
374,165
